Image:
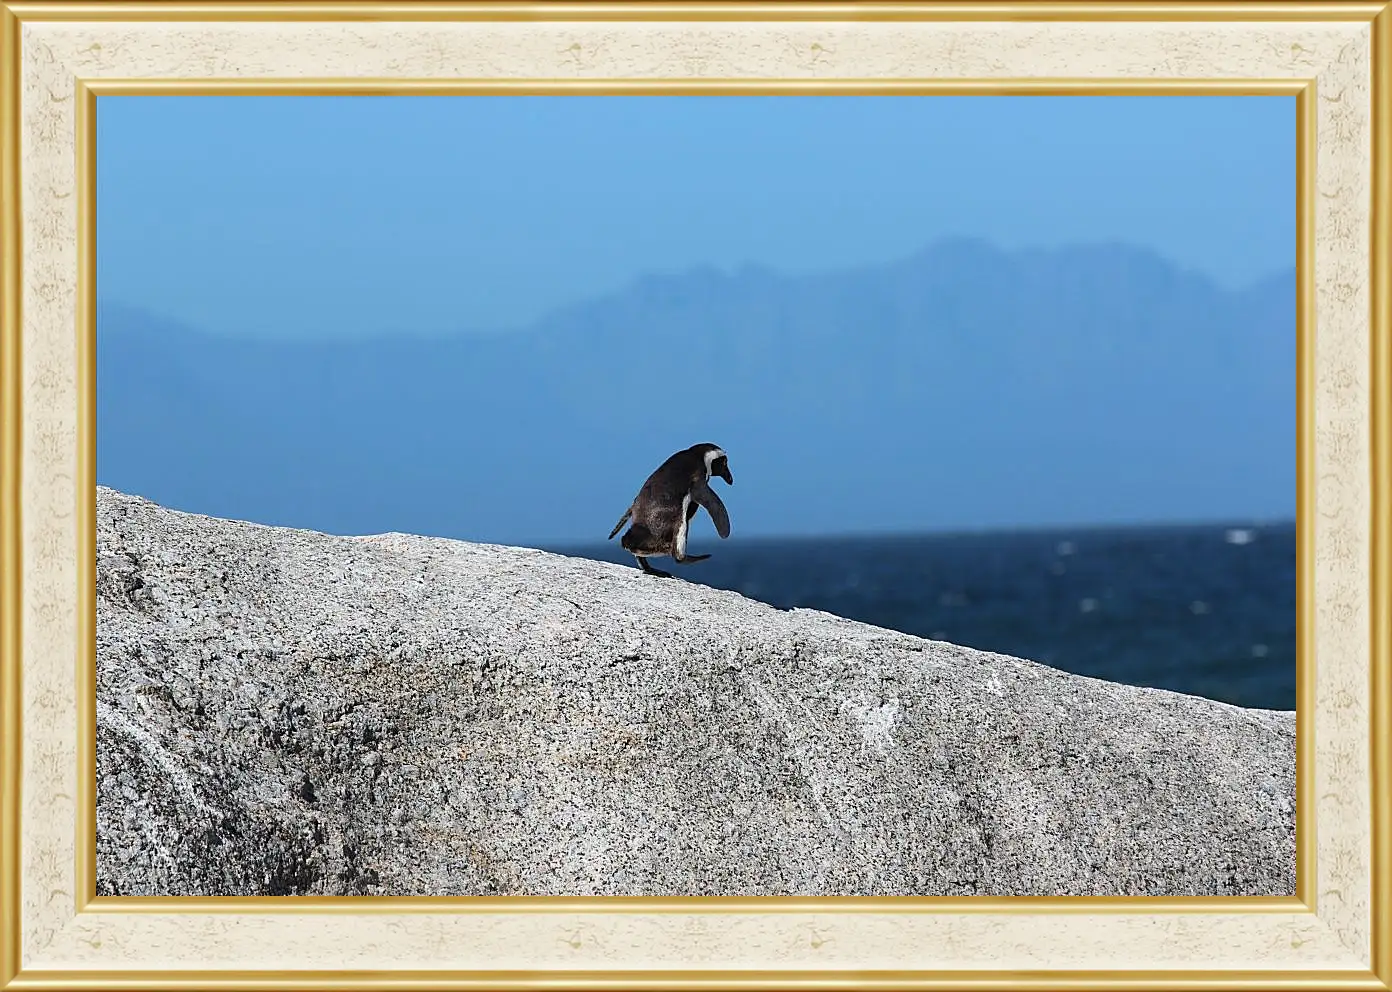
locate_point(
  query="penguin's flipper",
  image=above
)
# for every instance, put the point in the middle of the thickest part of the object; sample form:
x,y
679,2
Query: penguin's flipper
x,y
707,497
619,526
688,559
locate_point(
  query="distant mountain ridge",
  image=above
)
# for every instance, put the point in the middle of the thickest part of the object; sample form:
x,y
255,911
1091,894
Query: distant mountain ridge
x,y
962,386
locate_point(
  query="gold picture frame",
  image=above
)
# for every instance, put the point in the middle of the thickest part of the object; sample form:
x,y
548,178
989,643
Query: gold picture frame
x,y
59,56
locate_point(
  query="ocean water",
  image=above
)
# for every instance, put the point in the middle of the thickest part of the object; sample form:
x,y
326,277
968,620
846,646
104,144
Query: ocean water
x,y
1207,610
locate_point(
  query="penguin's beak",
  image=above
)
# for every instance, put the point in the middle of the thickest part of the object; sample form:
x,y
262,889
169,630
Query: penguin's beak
x,y
725,474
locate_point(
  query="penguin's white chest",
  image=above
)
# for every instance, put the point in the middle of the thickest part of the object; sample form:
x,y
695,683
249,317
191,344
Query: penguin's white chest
x,y
681,526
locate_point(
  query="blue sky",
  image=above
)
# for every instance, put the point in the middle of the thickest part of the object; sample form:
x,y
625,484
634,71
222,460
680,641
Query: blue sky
x,y
327,216
305,233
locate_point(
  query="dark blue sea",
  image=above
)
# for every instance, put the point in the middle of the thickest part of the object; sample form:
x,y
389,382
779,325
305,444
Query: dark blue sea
x,y
1207,610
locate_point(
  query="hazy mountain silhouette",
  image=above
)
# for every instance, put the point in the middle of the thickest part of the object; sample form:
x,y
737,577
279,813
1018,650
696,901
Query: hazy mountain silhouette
x,y
961,387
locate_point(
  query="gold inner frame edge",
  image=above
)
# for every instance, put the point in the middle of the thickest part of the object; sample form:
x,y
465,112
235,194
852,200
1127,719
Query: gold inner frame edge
x,y
87,901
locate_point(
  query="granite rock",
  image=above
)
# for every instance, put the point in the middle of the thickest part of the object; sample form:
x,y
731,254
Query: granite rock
x,y
285,712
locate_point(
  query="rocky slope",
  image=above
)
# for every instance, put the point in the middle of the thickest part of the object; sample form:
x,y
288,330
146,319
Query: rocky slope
x,y
287,712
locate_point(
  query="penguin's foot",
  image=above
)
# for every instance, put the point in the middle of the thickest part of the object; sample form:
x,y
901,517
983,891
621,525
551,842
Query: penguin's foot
x,y
643,564
687,560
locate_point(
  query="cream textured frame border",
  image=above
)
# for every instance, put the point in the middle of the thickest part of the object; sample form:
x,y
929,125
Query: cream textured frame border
x,y
58,56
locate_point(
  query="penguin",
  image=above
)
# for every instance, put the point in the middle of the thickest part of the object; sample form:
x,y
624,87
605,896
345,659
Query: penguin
x,y
670,497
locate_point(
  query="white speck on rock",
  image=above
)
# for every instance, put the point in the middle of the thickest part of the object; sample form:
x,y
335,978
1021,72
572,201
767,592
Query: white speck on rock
x,y
876,720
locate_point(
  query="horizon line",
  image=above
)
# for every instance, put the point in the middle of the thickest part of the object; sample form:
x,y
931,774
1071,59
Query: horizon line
x,y
1003,530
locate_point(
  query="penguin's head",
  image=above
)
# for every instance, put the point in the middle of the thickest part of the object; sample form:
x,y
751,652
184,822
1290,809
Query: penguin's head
x,y
721,467
716,462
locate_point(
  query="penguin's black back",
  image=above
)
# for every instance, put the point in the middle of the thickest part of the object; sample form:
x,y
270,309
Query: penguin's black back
x,y
672,480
